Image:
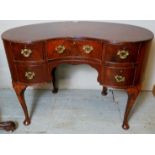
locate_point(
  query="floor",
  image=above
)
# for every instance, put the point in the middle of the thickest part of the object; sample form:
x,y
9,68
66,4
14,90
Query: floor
x,y
78,111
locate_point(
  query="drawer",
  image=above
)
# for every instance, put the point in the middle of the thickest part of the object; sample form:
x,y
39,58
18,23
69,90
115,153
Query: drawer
x,y
28,52
32,73
59,48
119,77
89,48
62,48
127,52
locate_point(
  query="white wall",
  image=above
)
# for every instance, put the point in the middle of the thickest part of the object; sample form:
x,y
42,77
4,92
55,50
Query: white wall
x,y
78,76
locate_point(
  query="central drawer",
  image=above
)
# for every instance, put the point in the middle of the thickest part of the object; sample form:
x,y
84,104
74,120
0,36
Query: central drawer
x,y
80,48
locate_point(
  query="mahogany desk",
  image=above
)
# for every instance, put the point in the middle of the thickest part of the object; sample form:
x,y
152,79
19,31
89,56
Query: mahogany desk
x,y
117,51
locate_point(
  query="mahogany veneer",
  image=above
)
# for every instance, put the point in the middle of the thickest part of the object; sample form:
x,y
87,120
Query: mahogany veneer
x,y
116,51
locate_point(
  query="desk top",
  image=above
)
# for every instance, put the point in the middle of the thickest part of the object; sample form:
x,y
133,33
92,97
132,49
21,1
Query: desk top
x,y
97,30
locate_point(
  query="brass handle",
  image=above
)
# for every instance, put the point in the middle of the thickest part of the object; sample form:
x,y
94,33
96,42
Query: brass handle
x,y
88,49
26,52
123,54
30,75
60,49
119,78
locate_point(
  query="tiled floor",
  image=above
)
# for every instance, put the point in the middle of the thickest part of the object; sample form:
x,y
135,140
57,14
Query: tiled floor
x,y
78,111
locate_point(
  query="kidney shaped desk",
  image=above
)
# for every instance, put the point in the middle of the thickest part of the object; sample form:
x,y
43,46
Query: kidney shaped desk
x,y
117,51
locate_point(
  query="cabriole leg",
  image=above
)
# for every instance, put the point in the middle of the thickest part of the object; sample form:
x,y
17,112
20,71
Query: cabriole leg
x,y
104,91
20,89
55,89
132,95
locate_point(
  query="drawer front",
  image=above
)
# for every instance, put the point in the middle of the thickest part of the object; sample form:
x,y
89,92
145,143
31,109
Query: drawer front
x,y
28,52
73,48
59,48
121,53
89,48
32,73
119,77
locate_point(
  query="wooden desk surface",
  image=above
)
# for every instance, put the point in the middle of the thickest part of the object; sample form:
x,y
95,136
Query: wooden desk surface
x,y
107,31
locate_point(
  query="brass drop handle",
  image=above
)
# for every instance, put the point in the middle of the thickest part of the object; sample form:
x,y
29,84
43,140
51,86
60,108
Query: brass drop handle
x,y
88,49
60,49
30,75
123,54
26,52
119,78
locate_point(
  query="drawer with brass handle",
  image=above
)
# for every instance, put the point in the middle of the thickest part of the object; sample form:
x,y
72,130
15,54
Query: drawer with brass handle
x,y
89,48
32,73
119,77
59,48
126,53
29,52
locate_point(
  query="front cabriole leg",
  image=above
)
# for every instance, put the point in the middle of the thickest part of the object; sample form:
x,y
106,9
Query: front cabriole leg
x,y
20,89
133,93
